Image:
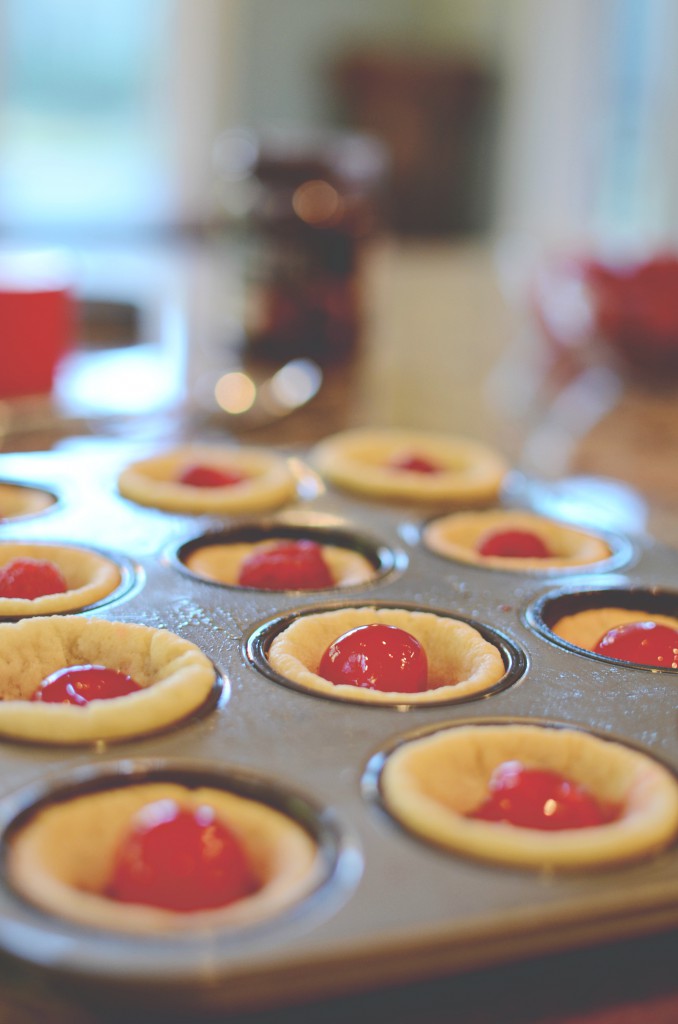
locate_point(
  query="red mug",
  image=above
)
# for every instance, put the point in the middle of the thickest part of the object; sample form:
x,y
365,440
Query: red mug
x,y
37,322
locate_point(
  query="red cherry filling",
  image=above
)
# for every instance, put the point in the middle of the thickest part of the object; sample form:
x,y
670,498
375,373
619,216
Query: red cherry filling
x,y
414,463
513,544
209,476
646,643
80,684
376,657
542,799
29,578
288,565
180,859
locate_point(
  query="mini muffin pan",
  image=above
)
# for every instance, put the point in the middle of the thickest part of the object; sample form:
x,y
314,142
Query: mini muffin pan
x,y
389,907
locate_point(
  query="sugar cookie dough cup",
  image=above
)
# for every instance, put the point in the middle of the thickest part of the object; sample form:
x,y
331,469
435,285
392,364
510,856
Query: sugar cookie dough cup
x,y
90,577
431,783
177,680
61,858
218,555
578,619
458,536
358,460
268,481
462,663
19,501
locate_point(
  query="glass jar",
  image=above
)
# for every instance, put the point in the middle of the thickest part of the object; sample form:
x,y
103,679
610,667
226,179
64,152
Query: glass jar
x,y
308,204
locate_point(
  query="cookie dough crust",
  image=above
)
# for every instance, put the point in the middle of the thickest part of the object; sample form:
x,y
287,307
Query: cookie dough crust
x,y
90,577
17,501
176,678
269,481
431,783
62,859
460,660
457,536
585,629
222,562
358,460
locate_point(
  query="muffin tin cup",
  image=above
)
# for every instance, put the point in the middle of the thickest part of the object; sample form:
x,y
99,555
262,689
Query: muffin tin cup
x,y
385,560
260,640
373,791
131,581
48,939
48,495
544,613
622,553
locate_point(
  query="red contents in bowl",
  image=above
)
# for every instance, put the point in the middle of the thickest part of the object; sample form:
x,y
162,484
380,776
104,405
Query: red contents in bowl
x,y
376,657
209,476
80,684
513,544
181,860
585,304
636,305
288,565
646,643
541,799
29,578
414,463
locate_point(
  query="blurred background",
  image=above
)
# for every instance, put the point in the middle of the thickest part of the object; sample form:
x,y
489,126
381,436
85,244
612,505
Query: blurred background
x,y
419,203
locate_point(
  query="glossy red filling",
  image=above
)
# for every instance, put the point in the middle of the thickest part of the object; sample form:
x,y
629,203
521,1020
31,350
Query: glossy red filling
x,y
209,476
181,860
80,684
513,544
288,565
646,643
541,799
414,463
29,578
376,657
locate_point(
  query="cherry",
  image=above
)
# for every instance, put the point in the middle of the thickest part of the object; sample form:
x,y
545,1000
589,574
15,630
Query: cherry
x,y
209,476
414,464
513,544
542,799
31,578
180,859
288,565
79,684
647,643
376,657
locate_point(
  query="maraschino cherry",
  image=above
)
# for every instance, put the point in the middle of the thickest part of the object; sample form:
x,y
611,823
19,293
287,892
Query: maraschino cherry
x,y
210,476
288,565
376,657
646,643
414,463
80,684
182,860
513,544
29,578
541,799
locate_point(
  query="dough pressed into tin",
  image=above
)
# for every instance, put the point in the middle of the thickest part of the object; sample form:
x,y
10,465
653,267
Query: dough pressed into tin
x,y
175,677
430,784
458,536
62,858
90,577
460,661
267,483
222,562
360,460
17,500
584,629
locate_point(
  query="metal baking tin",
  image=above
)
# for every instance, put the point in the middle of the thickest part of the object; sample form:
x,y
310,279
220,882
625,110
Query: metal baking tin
x,y
391,908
